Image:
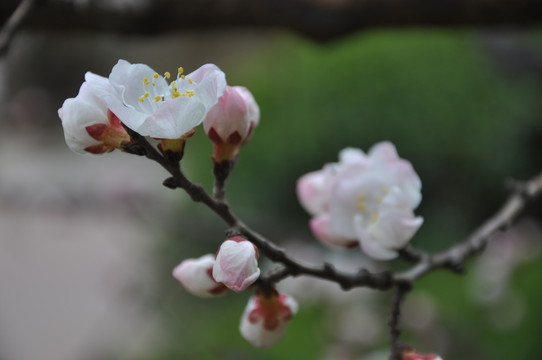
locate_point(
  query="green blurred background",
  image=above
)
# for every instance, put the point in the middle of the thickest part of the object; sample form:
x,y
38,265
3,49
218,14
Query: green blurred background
x,y
463,106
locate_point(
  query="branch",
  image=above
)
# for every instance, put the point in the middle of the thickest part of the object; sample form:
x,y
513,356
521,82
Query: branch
x,y
13,23
317,19
393,323
455,256
381,281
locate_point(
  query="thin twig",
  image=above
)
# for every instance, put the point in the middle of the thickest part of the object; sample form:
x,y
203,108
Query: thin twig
x,y
454,257
395,316
317,20
13,23
364,278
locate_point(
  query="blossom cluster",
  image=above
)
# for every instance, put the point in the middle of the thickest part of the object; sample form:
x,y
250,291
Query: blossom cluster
x,y
235,267
137,97
364,199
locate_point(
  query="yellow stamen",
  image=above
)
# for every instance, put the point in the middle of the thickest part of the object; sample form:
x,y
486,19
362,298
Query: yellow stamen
x,y
146,81
190,81
153,84
156,76
141,99
157,98
183,77
385,190
190,93
167,75
146,95
180,70
374,217
361,205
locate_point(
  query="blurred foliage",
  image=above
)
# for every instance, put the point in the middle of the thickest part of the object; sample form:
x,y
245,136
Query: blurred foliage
x,y
437,95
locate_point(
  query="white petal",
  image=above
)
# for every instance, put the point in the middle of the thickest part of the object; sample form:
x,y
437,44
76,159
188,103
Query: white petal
x,y
383,151
312,192
369,244
173,119
127,80
193,275
395,228
352,155
211,83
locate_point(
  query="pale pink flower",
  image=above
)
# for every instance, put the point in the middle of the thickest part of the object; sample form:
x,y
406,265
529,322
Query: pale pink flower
x,y
196,276
236,264
364,198
89,126
145,102
229,124
266,318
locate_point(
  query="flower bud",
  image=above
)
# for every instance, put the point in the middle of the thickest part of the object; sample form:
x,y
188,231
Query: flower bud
x,y
229,123
89,126
266,318
236,264
195,276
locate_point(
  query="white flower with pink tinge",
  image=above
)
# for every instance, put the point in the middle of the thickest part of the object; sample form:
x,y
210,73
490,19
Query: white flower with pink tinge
x,y
236,264
266,318
364,199
89,126
145,102
196,276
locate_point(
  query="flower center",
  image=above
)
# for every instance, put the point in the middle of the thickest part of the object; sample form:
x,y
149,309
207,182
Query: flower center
x,y
370,205
154,95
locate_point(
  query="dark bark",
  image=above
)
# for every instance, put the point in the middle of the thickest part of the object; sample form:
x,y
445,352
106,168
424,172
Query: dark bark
x,y
317,19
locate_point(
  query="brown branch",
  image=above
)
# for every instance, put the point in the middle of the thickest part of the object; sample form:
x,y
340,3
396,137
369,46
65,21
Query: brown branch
x,y
382,281
317,19
454,257
401,292
13,23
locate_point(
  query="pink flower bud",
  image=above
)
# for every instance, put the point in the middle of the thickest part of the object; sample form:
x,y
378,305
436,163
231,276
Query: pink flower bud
x,y
236,264
266,318
195,276
229,124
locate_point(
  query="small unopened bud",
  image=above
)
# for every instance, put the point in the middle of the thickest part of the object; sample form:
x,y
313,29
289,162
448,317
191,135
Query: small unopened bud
x,y
230,122
266,318
236,264
196,276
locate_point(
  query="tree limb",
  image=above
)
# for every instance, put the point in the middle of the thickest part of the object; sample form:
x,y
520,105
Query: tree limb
x,y
13,22
320,20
